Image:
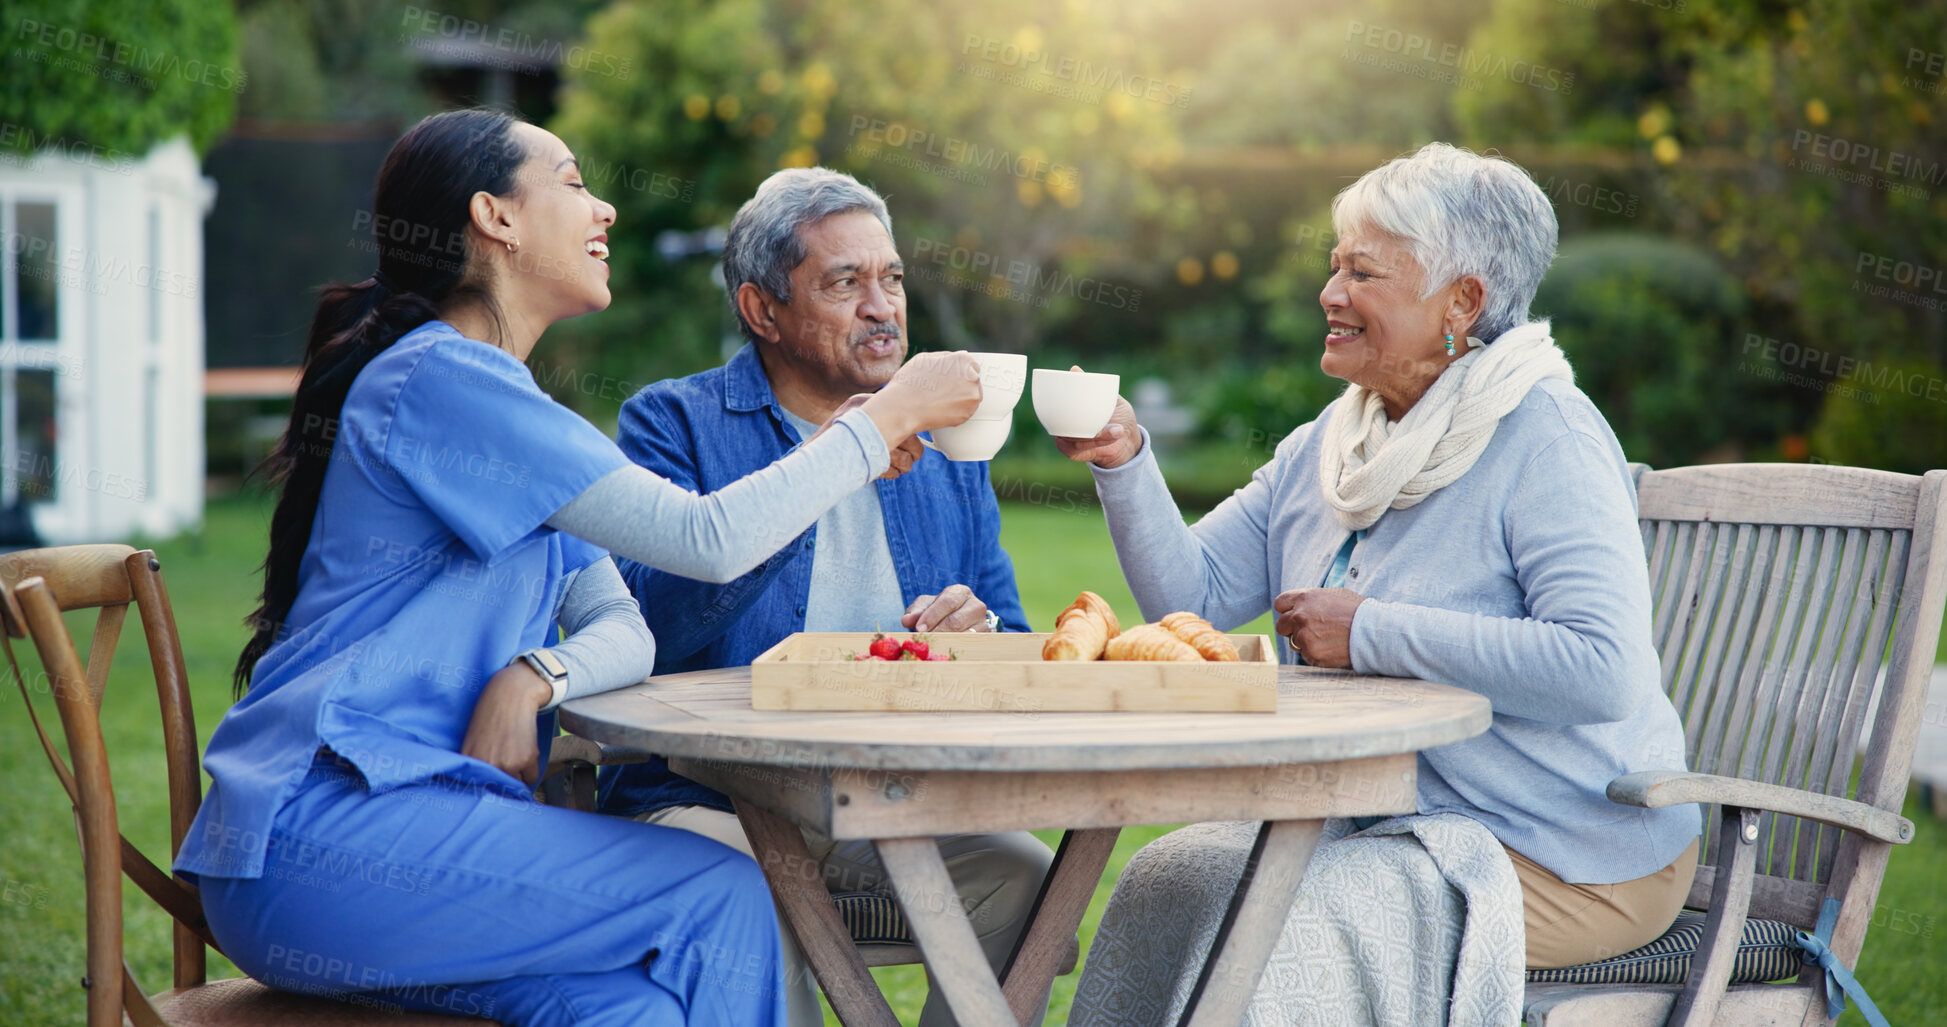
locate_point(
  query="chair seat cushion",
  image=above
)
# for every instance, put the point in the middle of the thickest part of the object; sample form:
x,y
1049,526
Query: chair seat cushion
x,y
872,918
242,1002
1766,952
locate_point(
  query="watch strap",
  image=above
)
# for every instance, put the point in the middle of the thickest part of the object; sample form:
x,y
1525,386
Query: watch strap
x,y
552,670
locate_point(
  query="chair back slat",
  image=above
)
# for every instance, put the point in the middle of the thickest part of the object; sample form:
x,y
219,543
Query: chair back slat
x,y
101,649
1666,554
1670,603
1710,564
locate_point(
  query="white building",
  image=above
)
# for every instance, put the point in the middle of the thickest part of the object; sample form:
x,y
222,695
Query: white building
x,y
101,340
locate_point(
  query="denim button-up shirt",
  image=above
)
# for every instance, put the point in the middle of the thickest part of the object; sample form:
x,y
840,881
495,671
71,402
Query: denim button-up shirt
x,y
710,429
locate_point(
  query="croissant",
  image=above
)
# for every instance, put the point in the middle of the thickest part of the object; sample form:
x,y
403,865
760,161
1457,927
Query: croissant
x,y
1152,642
1212,644
1083,630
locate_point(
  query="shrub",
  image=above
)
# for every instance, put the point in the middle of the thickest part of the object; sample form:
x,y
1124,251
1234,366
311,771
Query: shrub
x,y
1891,416
1652,327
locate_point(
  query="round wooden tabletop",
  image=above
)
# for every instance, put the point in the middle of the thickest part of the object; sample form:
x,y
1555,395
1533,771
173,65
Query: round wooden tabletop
x,y
1322,715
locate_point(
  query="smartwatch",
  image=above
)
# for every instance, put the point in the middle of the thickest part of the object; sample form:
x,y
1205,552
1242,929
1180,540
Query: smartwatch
x,y
552,670
993,621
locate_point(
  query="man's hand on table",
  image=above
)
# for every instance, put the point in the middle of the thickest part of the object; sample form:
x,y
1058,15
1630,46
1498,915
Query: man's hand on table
x,y
502,730
1319,623
954,609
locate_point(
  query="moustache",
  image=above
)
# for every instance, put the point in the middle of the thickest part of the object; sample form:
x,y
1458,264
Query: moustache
x,y
887,331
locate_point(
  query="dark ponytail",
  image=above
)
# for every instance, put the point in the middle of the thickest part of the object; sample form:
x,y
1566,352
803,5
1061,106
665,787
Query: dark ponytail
x,y
419,222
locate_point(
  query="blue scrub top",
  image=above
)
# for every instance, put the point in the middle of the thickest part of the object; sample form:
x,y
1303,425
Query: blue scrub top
x,y
429,568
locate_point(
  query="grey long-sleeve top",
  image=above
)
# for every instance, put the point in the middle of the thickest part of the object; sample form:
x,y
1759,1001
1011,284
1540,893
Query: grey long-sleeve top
x,y
1524,581
717,537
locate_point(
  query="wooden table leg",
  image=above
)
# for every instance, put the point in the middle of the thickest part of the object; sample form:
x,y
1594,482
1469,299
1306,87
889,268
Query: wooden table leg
x,y
946,937
813,919
1251,925
1057,912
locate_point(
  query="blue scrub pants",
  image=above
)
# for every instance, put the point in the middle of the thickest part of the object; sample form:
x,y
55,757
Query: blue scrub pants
x,y
446,897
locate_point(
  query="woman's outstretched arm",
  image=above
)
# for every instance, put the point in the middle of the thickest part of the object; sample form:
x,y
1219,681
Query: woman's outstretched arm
x,y
718,537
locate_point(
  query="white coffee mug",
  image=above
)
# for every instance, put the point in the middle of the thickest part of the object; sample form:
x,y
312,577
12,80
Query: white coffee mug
x,y
1074,404
1003,377
976,439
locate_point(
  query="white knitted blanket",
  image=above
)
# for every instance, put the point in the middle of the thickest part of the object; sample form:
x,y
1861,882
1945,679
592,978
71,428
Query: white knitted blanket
x,y
1414,921
1371,464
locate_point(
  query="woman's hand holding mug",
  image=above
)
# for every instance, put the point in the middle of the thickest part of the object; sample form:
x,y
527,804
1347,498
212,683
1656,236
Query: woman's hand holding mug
x,y
933,390
1115,445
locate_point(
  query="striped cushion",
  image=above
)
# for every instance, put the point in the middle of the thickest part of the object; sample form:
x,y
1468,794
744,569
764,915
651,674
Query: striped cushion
x,y
1767,952
873,918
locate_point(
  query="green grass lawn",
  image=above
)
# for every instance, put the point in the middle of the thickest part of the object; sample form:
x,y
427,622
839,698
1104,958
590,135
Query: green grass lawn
x,y
1058,548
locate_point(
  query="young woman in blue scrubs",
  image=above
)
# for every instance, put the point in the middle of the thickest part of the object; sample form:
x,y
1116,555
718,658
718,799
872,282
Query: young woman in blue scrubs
x,y
369,832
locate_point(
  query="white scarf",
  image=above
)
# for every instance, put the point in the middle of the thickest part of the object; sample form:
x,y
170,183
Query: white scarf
x,y
1371,464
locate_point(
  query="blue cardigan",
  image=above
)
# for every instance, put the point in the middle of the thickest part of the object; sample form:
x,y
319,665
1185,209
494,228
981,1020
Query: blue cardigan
x,y
708,430
1524,581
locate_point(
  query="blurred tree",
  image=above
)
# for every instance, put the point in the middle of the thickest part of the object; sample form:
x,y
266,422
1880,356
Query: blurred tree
x,y
327,60
1698,125
1797,142
118,75
1023,158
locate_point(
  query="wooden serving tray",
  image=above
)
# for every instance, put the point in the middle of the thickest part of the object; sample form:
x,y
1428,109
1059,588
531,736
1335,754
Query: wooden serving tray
x,y
1004,672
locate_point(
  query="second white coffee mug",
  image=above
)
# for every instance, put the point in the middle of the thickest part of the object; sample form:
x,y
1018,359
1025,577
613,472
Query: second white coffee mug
x,y
1074,404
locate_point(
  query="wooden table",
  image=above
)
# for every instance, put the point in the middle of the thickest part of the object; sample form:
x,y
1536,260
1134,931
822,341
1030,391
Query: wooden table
x,y
1340,744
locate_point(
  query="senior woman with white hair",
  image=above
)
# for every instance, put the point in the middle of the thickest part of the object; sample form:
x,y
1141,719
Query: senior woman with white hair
x,y
1461,513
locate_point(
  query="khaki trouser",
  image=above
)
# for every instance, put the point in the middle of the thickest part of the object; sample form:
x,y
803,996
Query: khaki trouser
x,y
997,877
1571,924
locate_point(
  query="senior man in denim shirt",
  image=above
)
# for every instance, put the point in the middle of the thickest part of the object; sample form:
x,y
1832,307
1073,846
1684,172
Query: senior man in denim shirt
x,y
815,280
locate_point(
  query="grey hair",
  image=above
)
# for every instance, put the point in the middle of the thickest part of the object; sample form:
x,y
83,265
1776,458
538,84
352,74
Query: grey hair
x,y
1461,213
763,243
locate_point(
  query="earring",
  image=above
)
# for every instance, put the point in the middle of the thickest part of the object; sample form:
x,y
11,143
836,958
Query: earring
x,y
1450,344
516,244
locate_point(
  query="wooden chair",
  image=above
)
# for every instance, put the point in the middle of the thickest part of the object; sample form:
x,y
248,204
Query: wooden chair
x,y
35,587
1796,609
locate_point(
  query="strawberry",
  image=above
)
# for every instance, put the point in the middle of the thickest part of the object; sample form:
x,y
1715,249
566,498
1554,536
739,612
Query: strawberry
x,y
938,658
918,648
885,648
